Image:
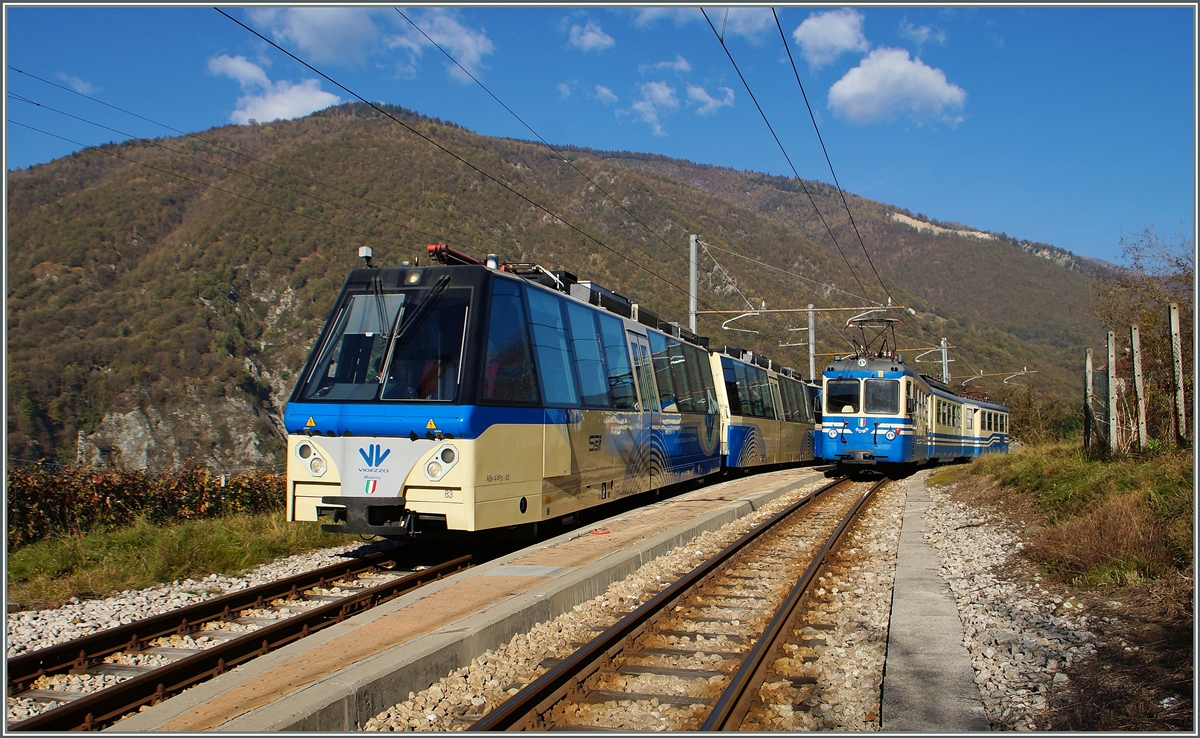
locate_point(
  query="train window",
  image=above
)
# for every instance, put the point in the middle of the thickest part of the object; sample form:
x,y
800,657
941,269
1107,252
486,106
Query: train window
x,y
616,361
555,368
667,391
685,389
509,374
802,402
349,367
641,360
788,400
704,392
881,396
733,389
756,384
426,355
841,396
589,362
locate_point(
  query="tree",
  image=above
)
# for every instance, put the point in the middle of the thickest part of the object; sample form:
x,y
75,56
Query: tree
x,y
1160,272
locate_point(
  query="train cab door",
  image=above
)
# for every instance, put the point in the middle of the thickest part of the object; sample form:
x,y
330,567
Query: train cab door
x,y
648,403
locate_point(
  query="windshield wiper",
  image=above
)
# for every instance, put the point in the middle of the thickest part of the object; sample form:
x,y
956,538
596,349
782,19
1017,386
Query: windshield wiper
x,y
412,318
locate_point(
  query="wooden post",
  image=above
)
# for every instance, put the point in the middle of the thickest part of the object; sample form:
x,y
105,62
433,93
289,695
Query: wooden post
x,y
1112,393
1177,361
1088,416
1135,343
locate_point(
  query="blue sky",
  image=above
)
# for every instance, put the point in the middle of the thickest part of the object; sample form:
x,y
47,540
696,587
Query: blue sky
x,y
1071,126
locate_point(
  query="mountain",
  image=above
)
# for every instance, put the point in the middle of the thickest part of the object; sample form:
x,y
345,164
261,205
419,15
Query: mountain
x,y
163,295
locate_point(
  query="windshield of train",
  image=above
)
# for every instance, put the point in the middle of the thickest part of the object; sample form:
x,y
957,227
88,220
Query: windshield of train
x,y
882,396
841,396
422,330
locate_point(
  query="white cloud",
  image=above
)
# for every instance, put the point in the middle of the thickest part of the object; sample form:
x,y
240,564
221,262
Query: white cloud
x,y
82,86
921,35
468,46
649,16
605,95
680,65
888,83
283,101
590,37
656,97
323,34
248,74
825,36
706,102
564,90
274,100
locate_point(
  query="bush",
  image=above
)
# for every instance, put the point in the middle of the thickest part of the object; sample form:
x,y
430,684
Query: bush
x,y
47,500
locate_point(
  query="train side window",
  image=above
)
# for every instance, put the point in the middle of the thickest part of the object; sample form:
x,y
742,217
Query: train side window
x,y
733,390
788,400
509,374
685,389
765,392
661,359
802,401
588,360
752,401
555,367
616,361
700,373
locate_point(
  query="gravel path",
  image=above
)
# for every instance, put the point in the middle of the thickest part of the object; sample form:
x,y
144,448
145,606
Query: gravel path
x,y
1019,634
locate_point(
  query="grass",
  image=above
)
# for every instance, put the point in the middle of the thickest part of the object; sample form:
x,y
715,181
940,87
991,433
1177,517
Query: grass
x,y
1118,521
101,563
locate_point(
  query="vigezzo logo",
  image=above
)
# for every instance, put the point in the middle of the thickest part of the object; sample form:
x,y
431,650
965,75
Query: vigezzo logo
x,y
374,455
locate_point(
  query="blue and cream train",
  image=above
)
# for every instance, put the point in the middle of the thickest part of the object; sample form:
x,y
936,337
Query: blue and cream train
x,y
466,396
879,413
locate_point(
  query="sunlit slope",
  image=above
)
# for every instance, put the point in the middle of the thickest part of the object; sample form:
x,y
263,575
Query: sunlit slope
x,y
161,304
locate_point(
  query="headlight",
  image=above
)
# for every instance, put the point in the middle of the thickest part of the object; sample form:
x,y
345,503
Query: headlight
x,y
304,450
317,466
832,434
890,435
442,461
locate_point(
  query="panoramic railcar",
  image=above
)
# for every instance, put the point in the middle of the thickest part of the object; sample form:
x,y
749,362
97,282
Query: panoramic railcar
x,y
766,414
879,412
468,397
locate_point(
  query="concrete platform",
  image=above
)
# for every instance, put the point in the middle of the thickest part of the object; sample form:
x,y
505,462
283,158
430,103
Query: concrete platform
x,y
350,672
928,681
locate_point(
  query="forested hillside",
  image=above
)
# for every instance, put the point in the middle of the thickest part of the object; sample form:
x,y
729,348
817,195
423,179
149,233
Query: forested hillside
x,y
163,294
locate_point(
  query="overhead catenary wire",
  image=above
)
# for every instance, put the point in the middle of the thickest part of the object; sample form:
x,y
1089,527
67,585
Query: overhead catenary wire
x,y
770,128
457,157
537,135
244,155
825,151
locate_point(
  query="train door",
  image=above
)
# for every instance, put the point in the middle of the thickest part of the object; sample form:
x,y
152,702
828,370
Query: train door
x,y
651,413
915,406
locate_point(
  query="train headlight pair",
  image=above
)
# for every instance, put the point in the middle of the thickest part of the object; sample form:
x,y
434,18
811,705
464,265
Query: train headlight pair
x,y
308,453
442,462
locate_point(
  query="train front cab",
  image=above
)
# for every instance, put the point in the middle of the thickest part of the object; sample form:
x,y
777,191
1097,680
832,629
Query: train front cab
x,y
873,415
505,403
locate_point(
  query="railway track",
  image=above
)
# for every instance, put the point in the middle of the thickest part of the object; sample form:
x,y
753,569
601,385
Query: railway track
x,y
157,657
697,653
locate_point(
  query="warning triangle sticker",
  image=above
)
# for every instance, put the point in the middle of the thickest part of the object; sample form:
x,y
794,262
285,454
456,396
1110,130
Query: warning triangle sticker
x,y
311,423
430,424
